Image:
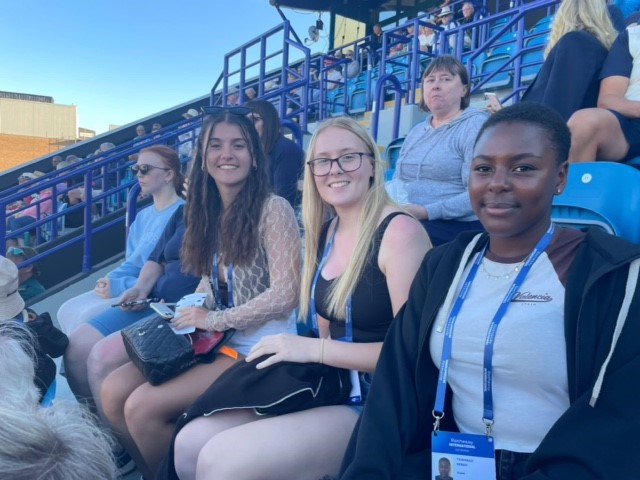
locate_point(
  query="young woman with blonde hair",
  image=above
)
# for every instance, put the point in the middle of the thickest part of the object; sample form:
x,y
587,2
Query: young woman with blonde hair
x,y
357,270
569,79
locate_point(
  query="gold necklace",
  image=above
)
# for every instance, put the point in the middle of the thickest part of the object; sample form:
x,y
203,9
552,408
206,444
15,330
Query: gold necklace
x,y
507,275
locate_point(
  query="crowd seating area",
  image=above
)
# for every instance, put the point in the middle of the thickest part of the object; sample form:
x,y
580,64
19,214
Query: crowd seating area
x,y
505,57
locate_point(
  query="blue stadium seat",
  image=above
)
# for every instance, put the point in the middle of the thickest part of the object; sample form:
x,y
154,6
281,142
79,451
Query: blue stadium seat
x,y
497,26
392,152
337,106
529,72
506,44
358,101
492,64
543,24
603,194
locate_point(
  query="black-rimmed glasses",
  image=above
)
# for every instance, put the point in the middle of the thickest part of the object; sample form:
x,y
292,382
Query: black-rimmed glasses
x,y
144,168
349,162
208,110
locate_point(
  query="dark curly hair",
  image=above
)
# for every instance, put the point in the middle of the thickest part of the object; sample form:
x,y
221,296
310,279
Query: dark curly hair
x,y
233,233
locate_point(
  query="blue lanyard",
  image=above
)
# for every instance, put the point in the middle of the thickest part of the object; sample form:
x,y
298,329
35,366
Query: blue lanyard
x,y
487,415
348,337
216,283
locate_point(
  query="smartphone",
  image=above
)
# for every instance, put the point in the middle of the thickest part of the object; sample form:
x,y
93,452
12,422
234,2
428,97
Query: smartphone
x,y
133,303
165,310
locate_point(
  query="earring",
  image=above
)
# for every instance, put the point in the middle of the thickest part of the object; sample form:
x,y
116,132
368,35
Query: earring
x,y
558,191
203,166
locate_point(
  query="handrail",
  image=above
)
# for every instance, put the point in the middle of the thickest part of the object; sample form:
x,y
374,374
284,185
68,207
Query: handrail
x,y
103,179
380,88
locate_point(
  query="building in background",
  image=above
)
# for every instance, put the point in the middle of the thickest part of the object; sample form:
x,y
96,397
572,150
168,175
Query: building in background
x,y
33,125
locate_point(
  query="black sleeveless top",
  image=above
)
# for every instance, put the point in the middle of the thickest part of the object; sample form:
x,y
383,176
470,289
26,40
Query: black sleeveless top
x,y
371,310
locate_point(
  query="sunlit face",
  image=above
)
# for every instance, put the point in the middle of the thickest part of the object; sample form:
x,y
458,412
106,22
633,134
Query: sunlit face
x,y
228,158
342,189
155,178
443,92
514,176
140,131
467,10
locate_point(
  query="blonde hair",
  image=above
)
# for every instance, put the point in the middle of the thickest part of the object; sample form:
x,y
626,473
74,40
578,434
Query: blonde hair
x,y
315,211
590,16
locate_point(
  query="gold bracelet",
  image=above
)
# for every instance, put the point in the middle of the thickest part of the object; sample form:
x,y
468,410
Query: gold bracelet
x,y
322,350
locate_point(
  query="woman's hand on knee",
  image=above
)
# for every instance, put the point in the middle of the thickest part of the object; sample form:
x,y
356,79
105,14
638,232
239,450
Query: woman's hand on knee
x,y
285,347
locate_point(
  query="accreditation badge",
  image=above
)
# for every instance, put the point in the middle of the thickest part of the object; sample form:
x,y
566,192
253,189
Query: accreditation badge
x,y
462,456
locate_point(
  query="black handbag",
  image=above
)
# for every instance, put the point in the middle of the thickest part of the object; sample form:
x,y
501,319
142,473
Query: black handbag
x,y
158,352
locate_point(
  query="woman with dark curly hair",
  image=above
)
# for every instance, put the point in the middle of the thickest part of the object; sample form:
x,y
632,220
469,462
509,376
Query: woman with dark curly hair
x,y
244,243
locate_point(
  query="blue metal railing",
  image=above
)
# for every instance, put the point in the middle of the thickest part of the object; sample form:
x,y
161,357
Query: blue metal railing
x,y
105,180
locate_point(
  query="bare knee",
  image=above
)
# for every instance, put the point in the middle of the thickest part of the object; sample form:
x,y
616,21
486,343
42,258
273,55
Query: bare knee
x,y
584,124
143,411
186,451
220,459
113,398
104,358
80,344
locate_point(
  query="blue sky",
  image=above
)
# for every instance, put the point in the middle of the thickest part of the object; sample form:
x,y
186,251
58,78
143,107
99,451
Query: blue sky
x,y
123,60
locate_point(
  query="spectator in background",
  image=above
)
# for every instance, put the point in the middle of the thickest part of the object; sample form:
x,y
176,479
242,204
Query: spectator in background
x,y
55,160
46,341
611,132
286,159
29,286
334,78
141,131
351,69
448,23
155,127
249,94
427,37
569,80
187,139
232,97
434,163
375,43
469,15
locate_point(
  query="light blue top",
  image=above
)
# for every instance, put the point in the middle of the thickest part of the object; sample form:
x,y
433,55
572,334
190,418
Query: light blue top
x,y
144,233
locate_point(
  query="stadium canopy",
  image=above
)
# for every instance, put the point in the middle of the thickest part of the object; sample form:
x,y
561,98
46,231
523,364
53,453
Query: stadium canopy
x,y
365,11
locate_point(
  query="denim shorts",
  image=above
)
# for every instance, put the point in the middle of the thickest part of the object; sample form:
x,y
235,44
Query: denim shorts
x,y
631,129
115,319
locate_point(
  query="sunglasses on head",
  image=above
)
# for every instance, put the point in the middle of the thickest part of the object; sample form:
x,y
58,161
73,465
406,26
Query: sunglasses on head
x,y
220,110
144,168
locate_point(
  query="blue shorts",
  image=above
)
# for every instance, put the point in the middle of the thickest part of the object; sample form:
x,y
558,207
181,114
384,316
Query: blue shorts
x,y
115,319
631,130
